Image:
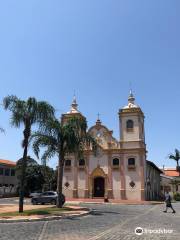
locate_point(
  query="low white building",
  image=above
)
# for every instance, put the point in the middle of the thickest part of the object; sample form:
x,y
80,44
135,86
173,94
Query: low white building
x,y
153,179
170,180
8,178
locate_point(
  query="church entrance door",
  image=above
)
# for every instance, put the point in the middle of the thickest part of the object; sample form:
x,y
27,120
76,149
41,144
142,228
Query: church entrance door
x,y
99,187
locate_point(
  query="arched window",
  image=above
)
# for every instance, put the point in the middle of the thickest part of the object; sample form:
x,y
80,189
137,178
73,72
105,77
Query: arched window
x,y
129,124
68,163
81,162
131,162
116,162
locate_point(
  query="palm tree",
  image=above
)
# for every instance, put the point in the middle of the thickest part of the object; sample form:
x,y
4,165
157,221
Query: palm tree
x,y
61,140
26,113
176,157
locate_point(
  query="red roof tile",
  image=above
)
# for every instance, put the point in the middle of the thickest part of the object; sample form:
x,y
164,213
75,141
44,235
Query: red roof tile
x,y
171,173
7,162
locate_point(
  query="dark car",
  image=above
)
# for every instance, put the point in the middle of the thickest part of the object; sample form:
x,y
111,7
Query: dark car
x,y
47,197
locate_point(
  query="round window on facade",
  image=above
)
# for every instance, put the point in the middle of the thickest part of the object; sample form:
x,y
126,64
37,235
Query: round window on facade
x,y
116,162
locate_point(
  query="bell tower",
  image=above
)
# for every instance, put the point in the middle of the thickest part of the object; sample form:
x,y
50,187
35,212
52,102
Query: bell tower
x,y
131,120
72,175
74,112
133,149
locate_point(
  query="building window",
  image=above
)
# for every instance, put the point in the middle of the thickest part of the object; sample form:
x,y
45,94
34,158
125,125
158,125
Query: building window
x,y
129,124
81,162
7,172
12,172
116,162
68,163
131,162
1,171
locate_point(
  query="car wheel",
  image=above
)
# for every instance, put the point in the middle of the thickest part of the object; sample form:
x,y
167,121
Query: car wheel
x,y
53,202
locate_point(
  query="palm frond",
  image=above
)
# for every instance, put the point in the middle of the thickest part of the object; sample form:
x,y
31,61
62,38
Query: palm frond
x,y
9,102
17,107
44,112
172,157
175,156
41,140
2,130
48,154
76,138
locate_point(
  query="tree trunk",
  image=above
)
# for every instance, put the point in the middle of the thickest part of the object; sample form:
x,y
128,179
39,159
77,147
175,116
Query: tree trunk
x,y
177,167
23,169
60,181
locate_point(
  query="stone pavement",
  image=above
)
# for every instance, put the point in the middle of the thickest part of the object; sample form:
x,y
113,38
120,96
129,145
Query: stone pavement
x,y
115,201
106,222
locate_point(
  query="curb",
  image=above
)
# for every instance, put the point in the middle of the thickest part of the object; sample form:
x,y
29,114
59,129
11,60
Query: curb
x,y
112,203
45,218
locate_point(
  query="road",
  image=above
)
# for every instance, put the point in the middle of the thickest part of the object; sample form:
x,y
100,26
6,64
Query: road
x,y
14,201
106,222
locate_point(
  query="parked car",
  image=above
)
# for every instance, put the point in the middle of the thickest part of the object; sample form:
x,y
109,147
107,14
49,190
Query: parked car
x,y
47,197
34,194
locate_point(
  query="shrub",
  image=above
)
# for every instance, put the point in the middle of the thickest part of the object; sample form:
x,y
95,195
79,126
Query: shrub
x,y
177,196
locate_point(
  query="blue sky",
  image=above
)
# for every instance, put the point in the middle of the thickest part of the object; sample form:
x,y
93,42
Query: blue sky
x,y
49,49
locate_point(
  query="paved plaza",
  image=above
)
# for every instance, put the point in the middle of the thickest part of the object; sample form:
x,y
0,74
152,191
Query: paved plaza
x,y
106,222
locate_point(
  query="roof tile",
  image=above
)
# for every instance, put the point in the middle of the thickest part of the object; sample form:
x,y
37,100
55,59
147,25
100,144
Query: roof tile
x,y
7,162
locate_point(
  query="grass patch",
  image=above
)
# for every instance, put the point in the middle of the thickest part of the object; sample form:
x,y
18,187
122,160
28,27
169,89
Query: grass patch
x,y
41,211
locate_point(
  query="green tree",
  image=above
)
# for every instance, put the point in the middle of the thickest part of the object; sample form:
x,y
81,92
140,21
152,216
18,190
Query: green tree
x,y
26,113
176,157
62,139
38,177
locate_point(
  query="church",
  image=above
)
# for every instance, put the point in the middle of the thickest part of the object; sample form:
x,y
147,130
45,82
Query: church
x,y
118,171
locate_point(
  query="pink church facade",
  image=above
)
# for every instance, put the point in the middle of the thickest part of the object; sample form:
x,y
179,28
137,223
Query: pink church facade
x,y
118,170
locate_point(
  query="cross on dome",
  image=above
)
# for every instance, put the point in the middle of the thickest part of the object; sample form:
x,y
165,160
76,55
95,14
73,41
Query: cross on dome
x,y
74,106
131,97
131,101
98,119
